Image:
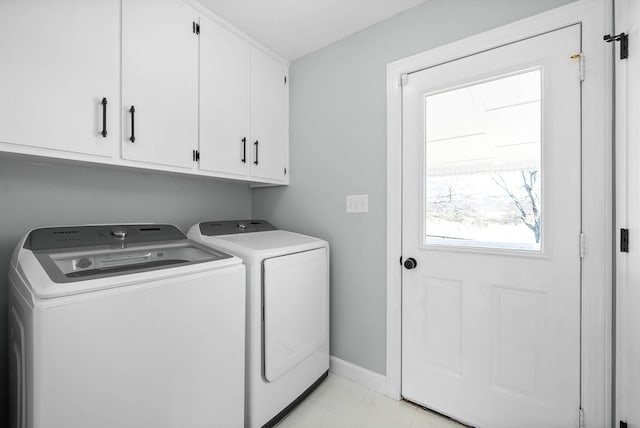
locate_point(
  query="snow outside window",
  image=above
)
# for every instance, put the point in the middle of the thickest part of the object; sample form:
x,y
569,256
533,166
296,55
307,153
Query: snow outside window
x,y
483,177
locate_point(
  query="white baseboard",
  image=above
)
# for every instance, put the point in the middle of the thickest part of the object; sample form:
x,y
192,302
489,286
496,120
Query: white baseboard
x,y
372,380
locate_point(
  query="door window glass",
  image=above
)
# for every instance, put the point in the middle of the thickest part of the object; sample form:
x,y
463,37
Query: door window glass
x,y
483,164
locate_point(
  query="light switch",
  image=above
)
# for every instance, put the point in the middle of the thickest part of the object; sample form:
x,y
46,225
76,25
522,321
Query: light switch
x,y
357,203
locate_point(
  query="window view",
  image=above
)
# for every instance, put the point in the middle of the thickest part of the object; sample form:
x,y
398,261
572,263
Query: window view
x,y
483,164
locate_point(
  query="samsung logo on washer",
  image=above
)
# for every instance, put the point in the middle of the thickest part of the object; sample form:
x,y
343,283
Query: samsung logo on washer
x,y
120,296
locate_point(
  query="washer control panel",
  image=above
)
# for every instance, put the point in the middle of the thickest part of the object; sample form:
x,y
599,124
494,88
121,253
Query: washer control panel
x,y
52,238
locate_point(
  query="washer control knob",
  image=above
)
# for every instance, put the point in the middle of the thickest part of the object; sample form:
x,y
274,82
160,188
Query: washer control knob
x,y
410,263
242,226
119,233
83,263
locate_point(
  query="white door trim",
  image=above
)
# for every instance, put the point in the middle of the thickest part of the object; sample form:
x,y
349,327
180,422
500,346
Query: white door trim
x,y
597,195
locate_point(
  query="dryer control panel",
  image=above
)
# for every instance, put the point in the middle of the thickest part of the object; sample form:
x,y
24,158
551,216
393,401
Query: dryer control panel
x,y
214,228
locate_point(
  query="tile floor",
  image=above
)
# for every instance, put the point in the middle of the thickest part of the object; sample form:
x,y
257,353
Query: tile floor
x,y
340,403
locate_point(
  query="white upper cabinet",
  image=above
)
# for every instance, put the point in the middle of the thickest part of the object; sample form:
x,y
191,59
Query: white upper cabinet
x,y
159,82
224,100
58,61
153,84
243,107
269,133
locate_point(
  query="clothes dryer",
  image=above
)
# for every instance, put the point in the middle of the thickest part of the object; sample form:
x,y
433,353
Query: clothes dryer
x,y
287,312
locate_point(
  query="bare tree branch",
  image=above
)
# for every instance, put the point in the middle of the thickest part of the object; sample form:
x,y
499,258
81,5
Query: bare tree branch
x,y
529,186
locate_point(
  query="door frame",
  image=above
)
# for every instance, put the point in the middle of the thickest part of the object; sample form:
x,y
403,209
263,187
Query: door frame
x,y
597,186
626,209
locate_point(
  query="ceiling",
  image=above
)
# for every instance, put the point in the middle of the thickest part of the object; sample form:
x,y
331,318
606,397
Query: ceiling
x,y
294,28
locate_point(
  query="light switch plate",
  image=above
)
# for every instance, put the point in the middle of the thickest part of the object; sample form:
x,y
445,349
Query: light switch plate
x,y
357,203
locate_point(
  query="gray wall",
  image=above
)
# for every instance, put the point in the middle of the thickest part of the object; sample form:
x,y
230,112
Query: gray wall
x,y
338,147
35,195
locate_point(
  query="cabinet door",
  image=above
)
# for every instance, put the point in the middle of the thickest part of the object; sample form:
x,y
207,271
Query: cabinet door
x,y
58,61
224,100
268,117
159,80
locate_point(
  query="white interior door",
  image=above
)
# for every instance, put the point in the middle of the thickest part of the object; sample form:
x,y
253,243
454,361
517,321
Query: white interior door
x,y
492,217
628,216
59,60
268,117
160,81
224,100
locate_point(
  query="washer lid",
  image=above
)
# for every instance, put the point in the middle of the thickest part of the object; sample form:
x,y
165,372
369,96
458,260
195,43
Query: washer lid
x,y
71,254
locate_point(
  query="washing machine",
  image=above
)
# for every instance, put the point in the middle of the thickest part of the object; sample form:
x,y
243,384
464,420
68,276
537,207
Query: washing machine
x,y
125,326
287,312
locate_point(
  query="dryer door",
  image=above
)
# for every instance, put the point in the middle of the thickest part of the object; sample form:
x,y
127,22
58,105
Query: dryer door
x,y
296,309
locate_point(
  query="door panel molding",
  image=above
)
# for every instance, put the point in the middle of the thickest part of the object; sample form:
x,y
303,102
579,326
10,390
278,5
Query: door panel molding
x,y
597,195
